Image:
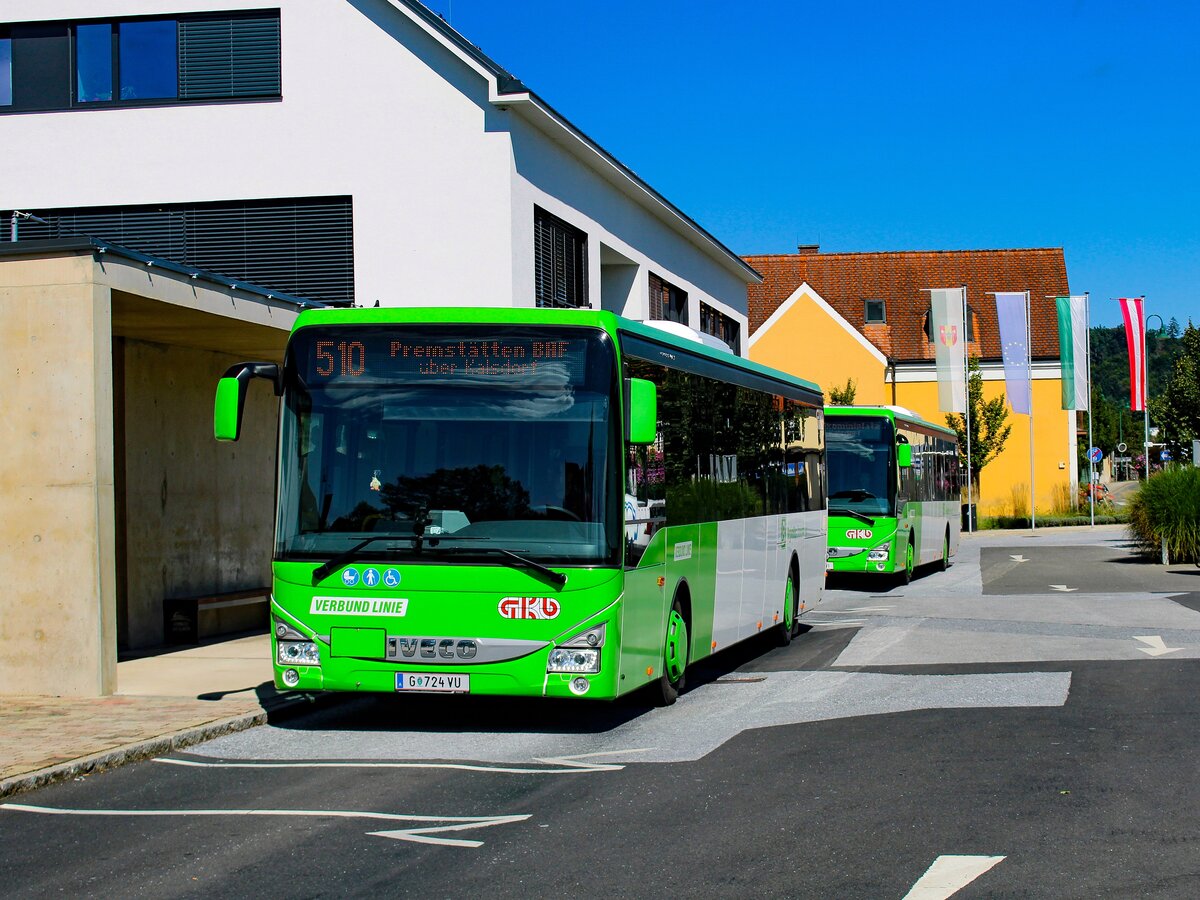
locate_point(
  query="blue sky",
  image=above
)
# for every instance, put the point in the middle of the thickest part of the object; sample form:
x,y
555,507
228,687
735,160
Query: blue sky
x,y
893,126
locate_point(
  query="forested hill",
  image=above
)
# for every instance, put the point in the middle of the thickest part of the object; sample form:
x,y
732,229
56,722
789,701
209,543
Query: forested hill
x,y
1110,360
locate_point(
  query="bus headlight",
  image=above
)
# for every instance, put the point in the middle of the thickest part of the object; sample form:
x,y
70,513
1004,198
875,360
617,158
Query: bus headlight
x,y
880,553
574,659
298,653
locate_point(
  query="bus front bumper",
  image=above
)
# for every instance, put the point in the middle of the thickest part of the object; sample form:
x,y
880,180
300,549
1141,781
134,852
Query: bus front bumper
x,y
860,560
525,677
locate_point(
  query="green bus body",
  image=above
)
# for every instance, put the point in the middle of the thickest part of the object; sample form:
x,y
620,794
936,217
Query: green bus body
x,y
912,517
718,544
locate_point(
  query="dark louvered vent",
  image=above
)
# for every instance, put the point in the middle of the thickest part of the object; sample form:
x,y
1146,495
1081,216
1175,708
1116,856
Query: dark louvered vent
x,y
302,247
230,56
560,262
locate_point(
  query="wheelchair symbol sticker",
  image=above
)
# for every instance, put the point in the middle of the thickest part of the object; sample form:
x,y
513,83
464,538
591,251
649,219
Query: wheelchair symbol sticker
x,y
391,577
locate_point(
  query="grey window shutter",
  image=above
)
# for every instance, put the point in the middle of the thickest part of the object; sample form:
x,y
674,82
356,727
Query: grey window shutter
x,y
230,56
302,246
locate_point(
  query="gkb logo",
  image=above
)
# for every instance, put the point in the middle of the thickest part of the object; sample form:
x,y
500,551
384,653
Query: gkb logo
x,y
350,577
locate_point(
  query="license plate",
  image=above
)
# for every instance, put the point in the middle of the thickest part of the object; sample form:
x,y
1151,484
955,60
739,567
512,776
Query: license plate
x,y
433,682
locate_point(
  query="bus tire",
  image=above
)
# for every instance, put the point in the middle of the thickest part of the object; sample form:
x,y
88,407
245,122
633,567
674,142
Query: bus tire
x,y
906,574
675,658
786,629
946,551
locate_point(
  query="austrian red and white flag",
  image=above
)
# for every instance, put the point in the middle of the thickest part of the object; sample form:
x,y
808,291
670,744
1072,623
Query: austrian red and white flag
x,y
1133,309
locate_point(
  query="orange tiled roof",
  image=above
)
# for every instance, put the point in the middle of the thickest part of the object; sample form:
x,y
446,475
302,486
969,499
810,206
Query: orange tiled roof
x,y
845,280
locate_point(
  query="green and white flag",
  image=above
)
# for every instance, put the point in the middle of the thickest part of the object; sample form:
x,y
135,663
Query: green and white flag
x,y
1073,350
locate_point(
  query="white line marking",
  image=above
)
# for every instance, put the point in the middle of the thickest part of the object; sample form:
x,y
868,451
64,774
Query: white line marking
x,y
948,875
419,835
1018,558
1063,588
838,623
569,765
1155,645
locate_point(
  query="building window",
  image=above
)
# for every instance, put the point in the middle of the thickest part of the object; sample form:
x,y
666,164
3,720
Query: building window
x,y
719,325
140,61
667,301
928,326
302,246
148,59
5,71
875,312
94,63
559,262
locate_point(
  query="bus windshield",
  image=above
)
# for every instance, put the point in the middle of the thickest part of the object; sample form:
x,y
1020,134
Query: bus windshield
x,y
454,439
860,462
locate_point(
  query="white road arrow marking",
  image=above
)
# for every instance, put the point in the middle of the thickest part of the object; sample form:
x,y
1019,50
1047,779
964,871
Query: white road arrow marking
x,y
1063,588
948,875
422,834
1018,558
569,765
1155,645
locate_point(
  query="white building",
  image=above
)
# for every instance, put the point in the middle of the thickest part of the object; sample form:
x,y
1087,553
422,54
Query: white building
x,y
340,151
462,185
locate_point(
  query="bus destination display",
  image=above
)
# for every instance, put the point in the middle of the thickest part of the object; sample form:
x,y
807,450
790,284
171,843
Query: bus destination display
x,y
409,358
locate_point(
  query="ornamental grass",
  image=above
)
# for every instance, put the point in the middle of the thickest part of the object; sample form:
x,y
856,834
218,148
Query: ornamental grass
x,y
1167,508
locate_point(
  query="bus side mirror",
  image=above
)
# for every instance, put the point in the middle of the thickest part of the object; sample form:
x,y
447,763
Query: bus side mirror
x,y
904,455
641,397
231,397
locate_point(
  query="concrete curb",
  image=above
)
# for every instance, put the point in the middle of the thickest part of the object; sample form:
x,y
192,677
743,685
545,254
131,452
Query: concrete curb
x,y
110,759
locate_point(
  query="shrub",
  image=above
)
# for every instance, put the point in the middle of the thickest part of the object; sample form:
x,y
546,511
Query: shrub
x,y
991,522
1167,507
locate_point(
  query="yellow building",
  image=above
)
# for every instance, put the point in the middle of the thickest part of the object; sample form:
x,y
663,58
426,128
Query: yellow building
x,y
834,317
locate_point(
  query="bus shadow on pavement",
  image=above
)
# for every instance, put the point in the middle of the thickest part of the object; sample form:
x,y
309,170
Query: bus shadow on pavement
x,y
875,584
512,715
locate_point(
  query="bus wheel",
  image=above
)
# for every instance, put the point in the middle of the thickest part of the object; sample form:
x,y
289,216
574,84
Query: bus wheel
x,y
907,574
946,552
787,627
675,657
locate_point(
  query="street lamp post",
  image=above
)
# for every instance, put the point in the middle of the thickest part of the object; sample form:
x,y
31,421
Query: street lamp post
x,y
1146,383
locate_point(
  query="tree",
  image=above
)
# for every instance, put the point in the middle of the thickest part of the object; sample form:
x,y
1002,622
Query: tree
x,y
988,429
843,396
1176,408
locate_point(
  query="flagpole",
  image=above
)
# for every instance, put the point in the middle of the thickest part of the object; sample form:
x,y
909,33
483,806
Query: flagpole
x,y
967,377
1029,371
1087,313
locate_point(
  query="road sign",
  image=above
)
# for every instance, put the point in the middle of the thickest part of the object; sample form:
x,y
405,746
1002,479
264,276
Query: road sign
x,y
1095,454
1121,447
1165,456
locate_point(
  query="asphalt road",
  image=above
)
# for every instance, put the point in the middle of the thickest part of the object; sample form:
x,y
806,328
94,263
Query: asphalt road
x,y
1013,732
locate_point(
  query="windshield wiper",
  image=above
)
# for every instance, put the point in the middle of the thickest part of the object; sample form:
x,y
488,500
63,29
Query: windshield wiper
x,y
350,554
555,578
854,514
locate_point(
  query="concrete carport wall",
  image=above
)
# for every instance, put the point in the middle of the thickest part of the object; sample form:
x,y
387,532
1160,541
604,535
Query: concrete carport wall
x,y
113,493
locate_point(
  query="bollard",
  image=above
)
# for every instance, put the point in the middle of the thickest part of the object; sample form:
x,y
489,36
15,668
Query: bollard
x,y
1165,561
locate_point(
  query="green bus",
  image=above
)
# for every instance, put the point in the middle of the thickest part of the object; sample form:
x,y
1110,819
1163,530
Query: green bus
x,y
530,502
893,491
